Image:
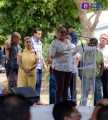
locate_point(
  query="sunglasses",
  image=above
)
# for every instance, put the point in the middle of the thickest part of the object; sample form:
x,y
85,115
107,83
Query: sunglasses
x,y
63,32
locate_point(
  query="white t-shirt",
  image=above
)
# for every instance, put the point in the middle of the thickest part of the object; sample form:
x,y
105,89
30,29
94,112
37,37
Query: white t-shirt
x,y
105,55
63,63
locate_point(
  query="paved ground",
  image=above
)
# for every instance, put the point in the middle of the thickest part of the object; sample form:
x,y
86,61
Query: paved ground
x,y
45,88
44,95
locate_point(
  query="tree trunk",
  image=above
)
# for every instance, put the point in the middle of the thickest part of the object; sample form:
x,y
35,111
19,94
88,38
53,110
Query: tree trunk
x,y
87,27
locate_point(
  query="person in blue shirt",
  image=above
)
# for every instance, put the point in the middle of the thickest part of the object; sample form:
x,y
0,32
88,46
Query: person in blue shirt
x,y
1,56
73,35
1,53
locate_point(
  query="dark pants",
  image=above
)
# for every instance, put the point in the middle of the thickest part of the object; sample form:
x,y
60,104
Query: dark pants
x,y
105,83
62,83
2,96
38,82
12,79
73,87
52,88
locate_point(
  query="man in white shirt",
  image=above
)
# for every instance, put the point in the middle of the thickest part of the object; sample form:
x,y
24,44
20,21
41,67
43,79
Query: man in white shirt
x,y
37,46
104,48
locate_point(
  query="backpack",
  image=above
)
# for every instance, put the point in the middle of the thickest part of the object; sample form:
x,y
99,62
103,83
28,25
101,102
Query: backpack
x,y
12,61
12,64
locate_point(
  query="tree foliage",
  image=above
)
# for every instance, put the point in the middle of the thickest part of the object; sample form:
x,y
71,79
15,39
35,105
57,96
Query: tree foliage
x,y
23,16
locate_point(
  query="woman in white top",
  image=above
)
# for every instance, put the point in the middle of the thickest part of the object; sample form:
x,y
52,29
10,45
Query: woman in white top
x,y
61,64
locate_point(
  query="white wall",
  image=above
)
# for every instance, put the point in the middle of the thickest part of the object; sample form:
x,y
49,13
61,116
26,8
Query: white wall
x,y
101,30
102,26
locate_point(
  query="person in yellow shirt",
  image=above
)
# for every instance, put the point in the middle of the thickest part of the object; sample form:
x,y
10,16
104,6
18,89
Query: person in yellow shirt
x,y
27,61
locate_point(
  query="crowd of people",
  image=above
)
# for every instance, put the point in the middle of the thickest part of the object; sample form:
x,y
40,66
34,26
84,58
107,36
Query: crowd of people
x,y
16,107
64,66
24,67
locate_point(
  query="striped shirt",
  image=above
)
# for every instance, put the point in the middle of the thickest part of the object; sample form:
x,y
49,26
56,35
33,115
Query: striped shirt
x,y
37,46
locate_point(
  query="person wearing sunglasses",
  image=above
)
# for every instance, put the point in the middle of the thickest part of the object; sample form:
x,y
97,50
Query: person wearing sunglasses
x,y
27,60
88,75
61,64
104,48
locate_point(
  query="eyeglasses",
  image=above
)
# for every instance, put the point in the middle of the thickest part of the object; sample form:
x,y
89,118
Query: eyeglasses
x,y
92,43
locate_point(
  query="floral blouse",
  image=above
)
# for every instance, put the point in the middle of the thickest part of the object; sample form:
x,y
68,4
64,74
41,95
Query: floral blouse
x,y
63,63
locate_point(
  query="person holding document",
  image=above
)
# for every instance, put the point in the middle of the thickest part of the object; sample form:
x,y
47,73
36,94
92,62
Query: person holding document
x,y
61,55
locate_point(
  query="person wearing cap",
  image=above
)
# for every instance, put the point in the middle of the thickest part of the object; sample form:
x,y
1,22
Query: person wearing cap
x,y
27,61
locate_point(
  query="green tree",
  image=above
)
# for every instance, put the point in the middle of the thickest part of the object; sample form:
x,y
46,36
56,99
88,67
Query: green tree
x,y
23,16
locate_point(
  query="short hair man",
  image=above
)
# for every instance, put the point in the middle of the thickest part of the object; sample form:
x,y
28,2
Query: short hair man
x,y
104,48
66,110
73,35
15,107
37,46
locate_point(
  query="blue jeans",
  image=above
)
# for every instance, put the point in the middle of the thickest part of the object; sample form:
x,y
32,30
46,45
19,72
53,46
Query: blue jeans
x,y
38,82
2,61
98,91
87,85
52,88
